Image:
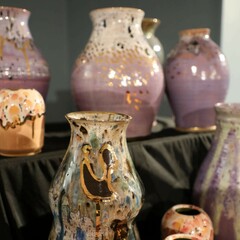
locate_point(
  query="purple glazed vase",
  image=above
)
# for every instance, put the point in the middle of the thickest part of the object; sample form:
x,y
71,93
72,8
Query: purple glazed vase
x,y
197,77
118,70
217,186
21,63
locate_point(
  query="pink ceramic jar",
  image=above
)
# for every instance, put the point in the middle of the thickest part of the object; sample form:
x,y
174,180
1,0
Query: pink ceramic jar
x,y
21,63
118,71
187,219
197,77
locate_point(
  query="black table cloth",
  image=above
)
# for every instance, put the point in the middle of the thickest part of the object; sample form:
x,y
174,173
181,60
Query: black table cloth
x,y
167,162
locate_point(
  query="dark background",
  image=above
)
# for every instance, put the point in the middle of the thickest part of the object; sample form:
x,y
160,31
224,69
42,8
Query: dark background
x,y
61,29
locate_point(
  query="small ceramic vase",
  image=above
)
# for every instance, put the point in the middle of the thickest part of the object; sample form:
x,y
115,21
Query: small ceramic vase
x,y
197,77
21,63
22,122
96,193
187,219
181,236
118,70
217,186
149,26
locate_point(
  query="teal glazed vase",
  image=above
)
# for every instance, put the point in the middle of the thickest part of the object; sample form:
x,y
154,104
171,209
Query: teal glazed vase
x,y
118,71
217,186
96,193
197,77
22,65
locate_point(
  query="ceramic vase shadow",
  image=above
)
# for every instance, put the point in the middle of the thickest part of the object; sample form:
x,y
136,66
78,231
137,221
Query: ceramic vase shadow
x,y
197,77
96,193
21,63
217,186
118,70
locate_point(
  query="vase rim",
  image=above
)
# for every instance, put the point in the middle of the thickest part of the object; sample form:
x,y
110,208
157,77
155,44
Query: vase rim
x,y
15,9
194,31
152,20
181,236
109,9
230,107
186,206
91,116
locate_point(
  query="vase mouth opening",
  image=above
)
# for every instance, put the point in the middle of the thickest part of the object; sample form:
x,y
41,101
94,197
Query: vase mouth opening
x,y
228,108
98,117
191,32
117,10
187,210
150,23
16,9
181,236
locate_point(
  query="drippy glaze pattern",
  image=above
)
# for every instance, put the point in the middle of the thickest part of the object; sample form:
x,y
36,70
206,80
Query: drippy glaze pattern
x,y
21,63
118,71
187,219
197,77
217,186
96,193
17,106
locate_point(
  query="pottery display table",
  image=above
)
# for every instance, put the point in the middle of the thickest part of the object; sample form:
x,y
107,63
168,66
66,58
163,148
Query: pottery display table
x,y
167,162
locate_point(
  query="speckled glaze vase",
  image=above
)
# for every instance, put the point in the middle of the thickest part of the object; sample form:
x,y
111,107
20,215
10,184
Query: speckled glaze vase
x,y
22,122
217,186
21,63
197,77
187,219
96,193
149,27
118,70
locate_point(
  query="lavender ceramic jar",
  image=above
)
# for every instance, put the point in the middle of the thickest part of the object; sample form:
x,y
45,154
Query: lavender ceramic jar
x,y
118,70
197,78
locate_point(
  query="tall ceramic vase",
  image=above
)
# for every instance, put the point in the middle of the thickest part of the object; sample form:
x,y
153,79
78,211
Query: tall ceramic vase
x,y
96,193
21,63
217,186
118,71
149,27
197,77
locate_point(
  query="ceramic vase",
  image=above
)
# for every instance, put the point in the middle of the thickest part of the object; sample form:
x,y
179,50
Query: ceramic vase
x,y
118,70
21,63
187,219
96,193
149,27
22,122
197,77
217,186
181,236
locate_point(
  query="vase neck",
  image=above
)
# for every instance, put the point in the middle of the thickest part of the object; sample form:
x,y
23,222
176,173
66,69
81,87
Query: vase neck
x,y
188,34
117,21
14,23
149,26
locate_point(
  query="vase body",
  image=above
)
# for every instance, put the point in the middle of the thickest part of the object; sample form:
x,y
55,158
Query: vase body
x,y
21,63
217,186
118,71
197,77
22,122
187,219
96,193
149,27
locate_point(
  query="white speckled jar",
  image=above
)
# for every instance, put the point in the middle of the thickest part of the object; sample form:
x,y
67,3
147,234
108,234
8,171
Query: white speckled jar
x,y
118,70
22,122
96,193
21,63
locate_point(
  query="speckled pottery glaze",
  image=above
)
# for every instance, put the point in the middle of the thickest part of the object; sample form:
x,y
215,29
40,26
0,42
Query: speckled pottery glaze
x,y
22,122
118,70
187,219
217,186
21,63
197,77
96,193
149,27
181,236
